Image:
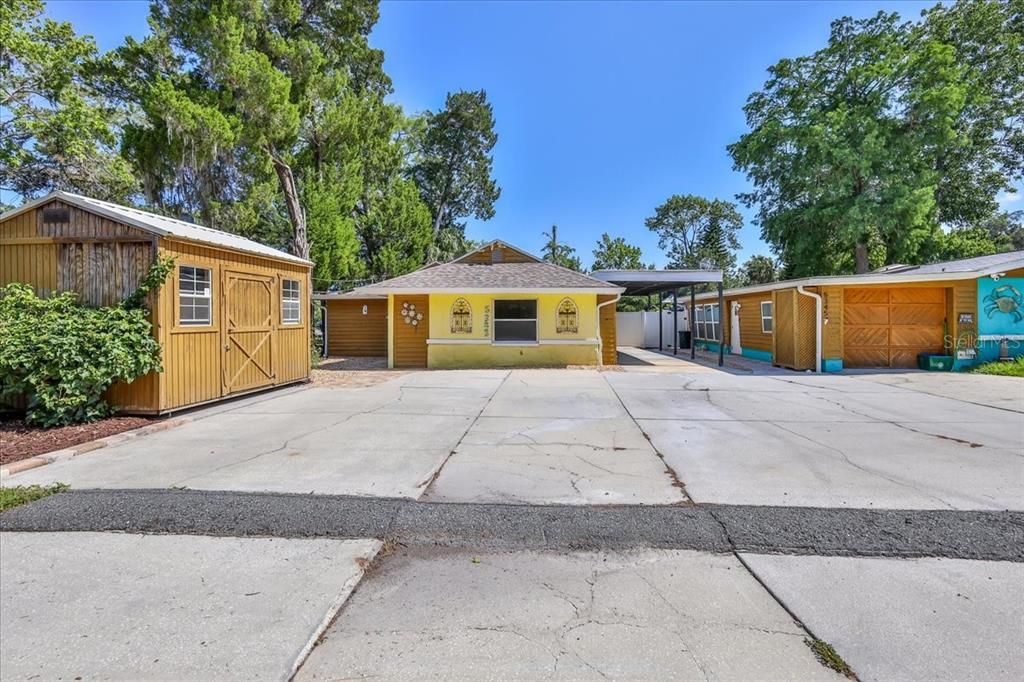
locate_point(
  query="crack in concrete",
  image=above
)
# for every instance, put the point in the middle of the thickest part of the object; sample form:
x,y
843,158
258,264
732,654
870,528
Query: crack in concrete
x,y
866,470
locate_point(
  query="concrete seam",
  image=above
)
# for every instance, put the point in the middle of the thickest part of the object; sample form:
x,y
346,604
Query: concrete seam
x,y
437,472
676,482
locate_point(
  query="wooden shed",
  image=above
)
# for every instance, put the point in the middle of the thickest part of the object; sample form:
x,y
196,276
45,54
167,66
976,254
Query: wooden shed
x,y
233,316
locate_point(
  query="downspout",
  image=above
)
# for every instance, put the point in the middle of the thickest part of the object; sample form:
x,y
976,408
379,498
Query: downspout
x,y
817,324
600,341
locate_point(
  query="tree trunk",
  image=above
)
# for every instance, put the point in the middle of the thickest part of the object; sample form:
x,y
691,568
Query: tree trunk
x,y
297,216
860,258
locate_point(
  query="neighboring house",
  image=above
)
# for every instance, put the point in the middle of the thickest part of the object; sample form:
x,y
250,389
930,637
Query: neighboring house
x,y
963,308
497,306
232,317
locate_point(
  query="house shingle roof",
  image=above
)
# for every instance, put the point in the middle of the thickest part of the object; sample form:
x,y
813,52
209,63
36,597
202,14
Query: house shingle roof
x,y
462,276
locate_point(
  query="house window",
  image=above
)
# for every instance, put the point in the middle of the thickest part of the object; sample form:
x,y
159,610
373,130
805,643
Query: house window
x,y
291,305
195,296
766,317
461,317
515,321
708,324
568,321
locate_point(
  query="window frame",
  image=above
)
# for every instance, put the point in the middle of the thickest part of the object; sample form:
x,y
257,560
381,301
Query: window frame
x,y
708,321
193,323
496,320
770,317
297,300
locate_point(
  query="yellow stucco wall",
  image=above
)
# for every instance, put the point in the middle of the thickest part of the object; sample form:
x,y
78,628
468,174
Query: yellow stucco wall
x,y
552,348
483,356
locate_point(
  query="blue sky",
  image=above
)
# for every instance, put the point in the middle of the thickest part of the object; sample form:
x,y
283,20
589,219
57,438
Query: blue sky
x,y
603,109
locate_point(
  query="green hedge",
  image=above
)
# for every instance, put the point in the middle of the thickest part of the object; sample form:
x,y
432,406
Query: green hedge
x,y
61,355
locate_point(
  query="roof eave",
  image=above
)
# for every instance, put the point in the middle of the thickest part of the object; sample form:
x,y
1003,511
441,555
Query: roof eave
x,y
492,290
867,279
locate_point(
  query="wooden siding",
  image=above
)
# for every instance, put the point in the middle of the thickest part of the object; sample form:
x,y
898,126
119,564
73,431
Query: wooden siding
x,y
751,335
507,256
609,354
202,363
832,322
102,273
34,264
83,225
350,333
410,342
889,326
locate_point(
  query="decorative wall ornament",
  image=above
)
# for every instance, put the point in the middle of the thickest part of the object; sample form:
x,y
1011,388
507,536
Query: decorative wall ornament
x,y
461,318
1005,299
568,321
409,314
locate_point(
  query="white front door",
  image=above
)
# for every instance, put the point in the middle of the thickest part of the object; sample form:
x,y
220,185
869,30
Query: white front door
x,y
734,329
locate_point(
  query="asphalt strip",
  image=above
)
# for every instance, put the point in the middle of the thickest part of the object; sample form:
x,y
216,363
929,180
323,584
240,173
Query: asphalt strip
x,y
988,535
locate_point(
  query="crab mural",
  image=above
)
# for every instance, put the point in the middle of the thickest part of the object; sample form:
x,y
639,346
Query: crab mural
x,y
1005,299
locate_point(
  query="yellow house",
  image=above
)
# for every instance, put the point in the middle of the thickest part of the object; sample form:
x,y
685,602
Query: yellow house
x,y
497,306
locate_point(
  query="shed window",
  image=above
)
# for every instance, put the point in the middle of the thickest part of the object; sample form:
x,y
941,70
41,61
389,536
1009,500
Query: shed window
x,y
766,317
707,322
195,296
515,321
291,308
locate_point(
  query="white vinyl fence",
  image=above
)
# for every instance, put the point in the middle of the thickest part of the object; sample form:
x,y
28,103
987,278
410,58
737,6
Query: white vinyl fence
x,y
640,330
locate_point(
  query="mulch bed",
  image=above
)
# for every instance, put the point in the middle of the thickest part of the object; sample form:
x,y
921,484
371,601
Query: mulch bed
x,y
19,441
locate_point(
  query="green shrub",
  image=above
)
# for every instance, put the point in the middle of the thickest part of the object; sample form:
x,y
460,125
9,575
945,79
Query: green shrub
x,y
61,355
13,496
1006,369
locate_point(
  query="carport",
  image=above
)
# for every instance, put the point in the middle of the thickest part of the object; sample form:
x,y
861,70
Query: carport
x,y
647,282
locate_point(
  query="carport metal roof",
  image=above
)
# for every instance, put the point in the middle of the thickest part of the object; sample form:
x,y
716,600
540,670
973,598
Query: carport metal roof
x,y
643,282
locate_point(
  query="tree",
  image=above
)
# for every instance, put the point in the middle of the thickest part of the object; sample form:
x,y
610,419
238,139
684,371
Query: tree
x,y
559,253
616,254
757,270
695,231
964,242
251,88
859,151
56,130
1006,230
452,167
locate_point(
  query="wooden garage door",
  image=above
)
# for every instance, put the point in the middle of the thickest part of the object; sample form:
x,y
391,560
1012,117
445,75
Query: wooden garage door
x,y
889,327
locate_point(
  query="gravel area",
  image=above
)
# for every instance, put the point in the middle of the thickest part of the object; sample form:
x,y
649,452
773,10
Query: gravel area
x,y
788,530
352,372
20,441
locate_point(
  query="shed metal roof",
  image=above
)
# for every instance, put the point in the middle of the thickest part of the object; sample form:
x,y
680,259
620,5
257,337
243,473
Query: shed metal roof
x,y
160,225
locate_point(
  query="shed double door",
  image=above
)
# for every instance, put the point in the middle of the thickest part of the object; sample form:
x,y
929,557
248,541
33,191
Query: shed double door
x,y
888,327
248,331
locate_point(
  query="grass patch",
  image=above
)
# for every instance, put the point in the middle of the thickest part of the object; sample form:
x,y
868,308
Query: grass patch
x,y
23,494
1002,369
828,657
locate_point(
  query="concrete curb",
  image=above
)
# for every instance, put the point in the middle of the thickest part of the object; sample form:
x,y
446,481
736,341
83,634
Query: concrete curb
x,y
82,448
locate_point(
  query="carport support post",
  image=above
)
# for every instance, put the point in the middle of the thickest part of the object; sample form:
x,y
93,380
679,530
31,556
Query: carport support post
x,y
721,325
661,325
691,316
675,323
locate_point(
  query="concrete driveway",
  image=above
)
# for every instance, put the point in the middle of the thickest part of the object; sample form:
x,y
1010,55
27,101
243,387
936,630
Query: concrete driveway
x,y
637,435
